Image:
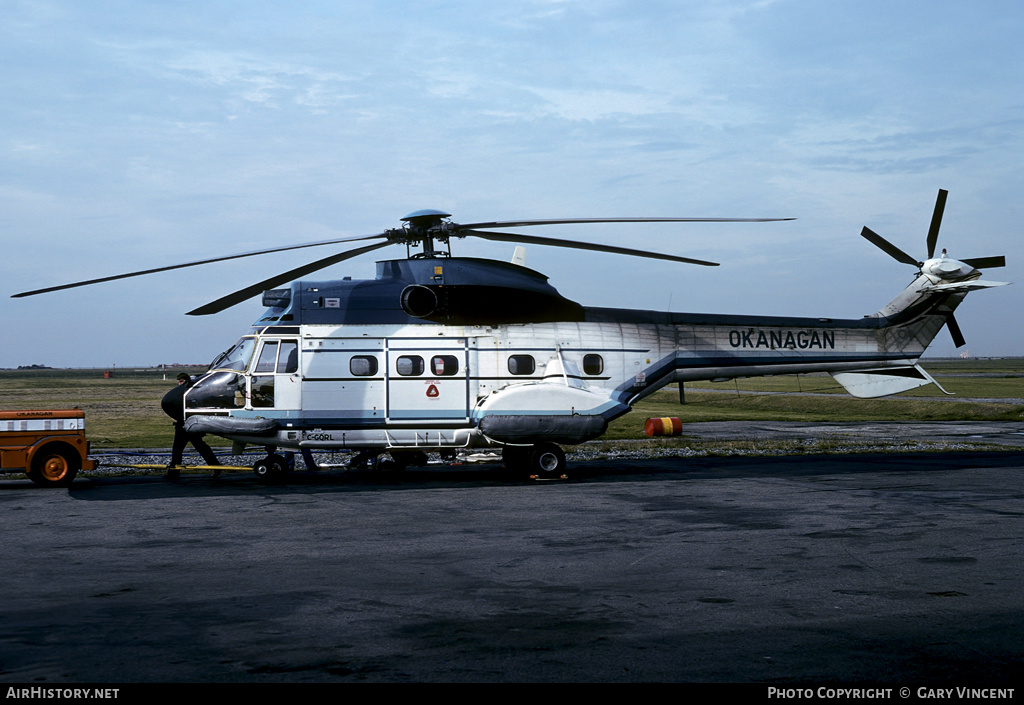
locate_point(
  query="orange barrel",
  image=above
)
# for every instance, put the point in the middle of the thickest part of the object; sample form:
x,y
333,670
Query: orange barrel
x,y
665,426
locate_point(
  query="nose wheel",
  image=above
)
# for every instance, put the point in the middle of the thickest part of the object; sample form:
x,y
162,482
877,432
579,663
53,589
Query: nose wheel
x,y
273,466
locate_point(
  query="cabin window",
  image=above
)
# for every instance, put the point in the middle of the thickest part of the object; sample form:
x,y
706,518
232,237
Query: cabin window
x,y
409,365
363,366
444,365
521,365
593,365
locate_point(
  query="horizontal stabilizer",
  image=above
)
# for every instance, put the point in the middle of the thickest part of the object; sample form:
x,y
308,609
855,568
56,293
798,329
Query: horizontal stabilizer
x,y
957,287
884,381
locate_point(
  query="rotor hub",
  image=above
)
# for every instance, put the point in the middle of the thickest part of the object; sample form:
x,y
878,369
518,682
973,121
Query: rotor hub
x,y
426,219
422,228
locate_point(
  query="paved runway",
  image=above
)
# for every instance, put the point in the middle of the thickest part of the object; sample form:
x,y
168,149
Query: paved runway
x,y
902,569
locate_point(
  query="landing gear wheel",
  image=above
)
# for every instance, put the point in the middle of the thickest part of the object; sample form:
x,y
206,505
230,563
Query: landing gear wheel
x,y
54,466
547,460
271,467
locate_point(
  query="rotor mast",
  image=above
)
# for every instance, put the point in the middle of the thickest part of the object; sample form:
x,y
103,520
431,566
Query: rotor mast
x,y
422,228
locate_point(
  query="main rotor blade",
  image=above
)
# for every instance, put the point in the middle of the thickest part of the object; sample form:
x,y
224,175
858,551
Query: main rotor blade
x,y
555,242
891,249
526,223
248,292
933,230
985,262
196,263
954,330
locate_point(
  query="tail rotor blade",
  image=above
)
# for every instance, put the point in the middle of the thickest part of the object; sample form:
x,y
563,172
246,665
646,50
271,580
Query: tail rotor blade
x,y
933,230
954,330
887,247
985,262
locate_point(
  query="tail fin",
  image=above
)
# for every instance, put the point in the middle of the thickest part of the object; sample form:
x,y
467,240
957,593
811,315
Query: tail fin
x,y
915,317
912,320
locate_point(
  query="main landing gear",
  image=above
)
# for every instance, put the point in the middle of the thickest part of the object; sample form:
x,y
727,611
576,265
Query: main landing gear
x,y
544,459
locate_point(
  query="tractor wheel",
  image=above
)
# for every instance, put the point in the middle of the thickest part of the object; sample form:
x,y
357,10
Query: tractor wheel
x,y
54,465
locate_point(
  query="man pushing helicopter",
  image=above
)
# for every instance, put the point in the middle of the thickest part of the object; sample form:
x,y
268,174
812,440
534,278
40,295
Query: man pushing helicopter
x,y
173,404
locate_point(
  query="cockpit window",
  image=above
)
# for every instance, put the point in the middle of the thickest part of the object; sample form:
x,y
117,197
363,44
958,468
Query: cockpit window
x,y
268,357
288,360
236,357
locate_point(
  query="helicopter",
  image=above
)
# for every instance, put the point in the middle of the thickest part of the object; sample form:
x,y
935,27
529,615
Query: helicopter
x,y
443,354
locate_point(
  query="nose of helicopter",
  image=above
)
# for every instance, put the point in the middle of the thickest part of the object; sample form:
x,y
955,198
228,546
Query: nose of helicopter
x,y
217,390
172,402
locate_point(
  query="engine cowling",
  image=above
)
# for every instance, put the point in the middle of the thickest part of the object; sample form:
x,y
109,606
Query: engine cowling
x,y
466,304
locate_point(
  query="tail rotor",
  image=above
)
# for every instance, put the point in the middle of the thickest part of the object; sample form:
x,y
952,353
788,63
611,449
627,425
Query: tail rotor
x,y
945,273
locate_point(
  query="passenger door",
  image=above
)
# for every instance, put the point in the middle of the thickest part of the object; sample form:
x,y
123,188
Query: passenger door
x,y
427,380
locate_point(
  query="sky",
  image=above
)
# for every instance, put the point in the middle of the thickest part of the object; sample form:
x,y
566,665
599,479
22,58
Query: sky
x,y
137,134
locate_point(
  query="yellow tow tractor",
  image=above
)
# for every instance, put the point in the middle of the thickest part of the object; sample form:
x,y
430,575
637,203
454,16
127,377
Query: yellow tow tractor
x,y
47,445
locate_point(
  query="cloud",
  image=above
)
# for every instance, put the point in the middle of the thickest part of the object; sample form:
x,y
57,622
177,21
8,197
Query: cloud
x,y
140,133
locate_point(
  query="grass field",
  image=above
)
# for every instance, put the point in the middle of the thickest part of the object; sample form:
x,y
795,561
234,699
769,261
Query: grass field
x,y
120,412
124,410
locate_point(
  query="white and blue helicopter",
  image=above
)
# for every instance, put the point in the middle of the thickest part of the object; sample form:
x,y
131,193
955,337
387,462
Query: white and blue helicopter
x,y
441,353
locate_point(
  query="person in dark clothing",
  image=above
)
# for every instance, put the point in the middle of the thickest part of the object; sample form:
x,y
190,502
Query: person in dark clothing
x,y
173,405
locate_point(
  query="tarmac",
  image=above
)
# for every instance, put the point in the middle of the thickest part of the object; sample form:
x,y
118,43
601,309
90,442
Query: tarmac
x,y
901,569
937,434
